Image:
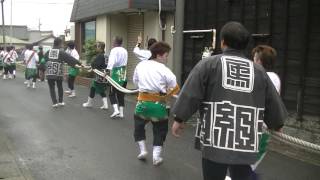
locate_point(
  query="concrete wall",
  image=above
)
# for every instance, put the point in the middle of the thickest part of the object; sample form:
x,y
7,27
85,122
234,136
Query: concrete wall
x,y
72,32
109,26
118,27
169,38
152,30
101,28
34,36
151,26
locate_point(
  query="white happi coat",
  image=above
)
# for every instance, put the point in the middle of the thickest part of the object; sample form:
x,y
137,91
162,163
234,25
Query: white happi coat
x,y
33,61
153,77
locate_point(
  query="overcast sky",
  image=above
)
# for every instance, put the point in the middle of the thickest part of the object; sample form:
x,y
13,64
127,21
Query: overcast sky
x,y
53,14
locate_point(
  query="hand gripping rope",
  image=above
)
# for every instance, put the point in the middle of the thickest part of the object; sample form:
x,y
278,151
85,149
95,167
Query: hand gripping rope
x,y
115,84
274,134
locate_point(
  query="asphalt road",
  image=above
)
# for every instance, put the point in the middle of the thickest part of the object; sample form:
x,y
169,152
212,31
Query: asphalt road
x,y
75,143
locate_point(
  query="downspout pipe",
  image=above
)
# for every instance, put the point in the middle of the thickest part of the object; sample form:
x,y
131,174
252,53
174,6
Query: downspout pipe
x,y
178,40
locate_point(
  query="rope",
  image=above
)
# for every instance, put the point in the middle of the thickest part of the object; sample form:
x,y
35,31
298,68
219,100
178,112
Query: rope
x,y
115,84
294,140
277,135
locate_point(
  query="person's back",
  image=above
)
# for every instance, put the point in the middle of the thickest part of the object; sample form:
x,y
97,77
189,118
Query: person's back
x,y
153,77
31,58
143,54
55,58
118,57
117,66
234,97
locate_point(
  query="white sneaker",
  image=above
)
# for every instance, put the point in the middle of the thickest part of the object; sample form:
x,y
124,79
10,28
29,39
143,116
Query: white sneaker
x,y
142,156
55,105
115,114
105,103
116,111
73,94
121,114
25,82
157,161
33,85
67,91
89,103
61,104
143,150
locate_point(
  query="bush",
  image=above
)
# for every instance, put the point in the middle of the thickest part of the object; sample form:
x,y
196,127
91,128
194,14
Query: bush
x,y
90,50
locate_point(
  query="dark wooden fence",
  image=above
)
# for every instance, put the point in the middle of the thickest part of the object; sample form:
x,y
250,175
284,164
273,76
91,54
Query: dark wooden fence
x,y
292,27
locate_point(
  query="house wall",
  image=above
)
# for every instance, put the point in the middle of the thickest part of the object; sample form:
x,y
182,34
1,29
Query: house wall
x,y
292,28
19,32
118,27
77,35
84,9
151,25
101,28
169,38
152,30
47,42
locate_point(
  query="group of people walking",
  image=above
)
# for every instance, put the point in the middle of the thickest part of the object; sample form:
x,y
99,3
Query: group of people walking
x,y
235,96
8,58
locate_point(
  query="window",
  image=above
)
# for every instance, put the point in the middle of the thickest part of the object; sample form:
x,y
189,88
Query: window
x,y
90,30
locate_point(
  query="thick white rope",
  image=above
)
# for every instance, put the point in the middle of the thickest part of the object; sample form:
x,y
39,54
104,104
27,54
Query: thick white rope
x,y
288,138
115,84
277,135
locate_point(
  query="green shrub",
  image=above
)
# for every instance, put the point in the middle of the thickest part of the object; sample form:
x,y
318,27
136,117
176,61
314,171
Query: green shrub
x,y
90,50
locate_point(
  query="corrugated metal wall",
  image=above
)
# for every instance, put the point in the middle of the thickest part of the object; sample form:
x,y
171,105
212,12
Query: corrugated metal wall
x,y
291,26
135,27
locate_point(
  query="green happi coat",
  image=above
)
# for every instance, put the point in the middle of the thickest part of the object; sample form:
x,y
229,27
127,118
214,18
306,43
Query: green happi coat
x,y
119,75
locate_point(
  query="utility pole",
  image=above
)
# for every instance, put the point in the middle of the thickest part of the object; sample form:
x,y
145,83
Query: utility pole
x,y
39,25
11,29
3,31
178,39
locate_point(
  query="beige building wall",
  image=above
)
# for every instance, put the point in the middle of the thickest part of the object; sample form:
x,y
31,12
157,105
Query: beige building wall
x,y
109,26
118,27
101,28
152,30
169,38
151,26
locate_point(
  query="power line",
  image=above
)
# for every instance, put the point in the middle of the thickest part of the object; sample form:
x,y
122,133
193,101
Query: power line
x,y
41,2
